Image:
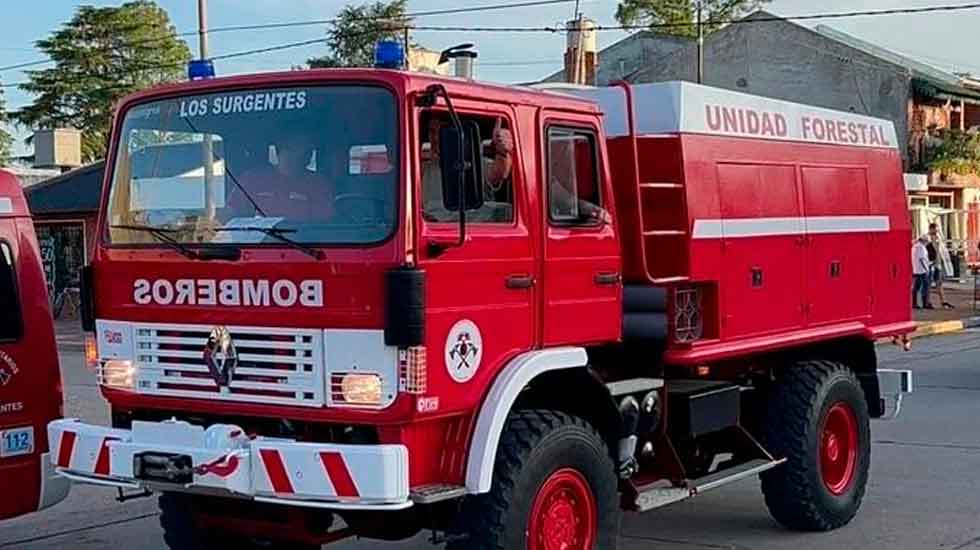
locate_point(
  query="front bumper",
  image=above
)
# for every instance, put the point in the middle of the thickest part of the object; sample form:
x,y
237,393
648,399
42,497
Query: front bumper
x,y
225,460
892,386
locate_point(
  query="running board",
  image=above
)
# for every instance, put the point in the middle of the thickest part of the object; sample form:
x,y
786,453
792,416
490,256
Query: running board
x,y
655,497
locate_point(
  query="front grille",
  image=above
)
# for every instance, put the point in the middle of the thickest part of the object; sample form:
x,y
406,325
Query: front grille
x,y
275,366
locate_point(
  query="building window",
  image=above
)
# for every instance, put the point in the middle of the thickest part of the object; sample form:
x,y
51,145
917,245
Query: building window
x,y
574,196
11,319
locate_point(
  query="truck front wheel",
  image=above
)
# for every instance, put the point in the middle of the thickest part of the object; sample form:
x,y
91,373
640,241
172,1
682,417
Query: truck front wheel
x,y
818,420
554,486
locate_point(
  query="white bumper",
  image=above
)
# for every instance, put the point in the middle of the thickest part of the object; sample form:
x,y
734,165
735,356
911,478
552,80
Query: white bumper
x,y
225,459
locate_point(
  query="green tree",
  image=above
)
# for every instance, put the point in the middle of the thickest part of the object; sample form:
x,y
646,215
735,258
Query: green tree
x,y
351,36
6,140
678,17
100,55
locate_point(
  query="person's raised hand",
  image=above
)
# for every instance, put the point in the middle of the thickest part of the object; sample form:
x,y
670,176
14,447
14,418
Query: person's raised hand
x,y
503,140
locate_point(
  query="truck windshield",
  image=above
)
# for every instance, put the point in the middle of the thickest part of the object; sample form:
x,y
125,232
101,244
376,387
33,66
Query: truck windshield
x,y
318,163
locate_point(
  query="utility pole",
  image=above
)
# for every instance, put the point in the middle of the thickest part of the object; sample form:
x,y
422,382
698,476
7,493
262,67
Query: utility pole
x,y
207,146
700,8
202,27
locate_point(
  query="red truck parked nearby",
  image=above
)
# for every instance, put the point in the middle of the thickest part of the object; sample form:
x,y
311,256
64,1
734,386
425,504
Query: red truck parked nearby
x,y
499,313
30,382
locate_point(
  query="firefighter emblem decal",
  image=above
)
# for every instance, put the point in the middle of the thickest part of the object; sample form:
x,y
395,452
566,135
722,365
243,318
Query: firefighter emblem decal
x,y
8,368
220,356
464,350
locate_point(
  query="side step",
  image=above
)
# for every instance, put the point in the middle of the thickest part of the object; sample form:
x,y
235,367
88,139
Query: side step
x,y
437,492
652,497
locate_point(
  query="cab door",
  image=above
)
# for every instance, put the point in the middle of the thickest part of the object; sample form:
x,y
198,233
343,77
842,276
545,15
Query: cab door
x,y
479,295
30,384
581,275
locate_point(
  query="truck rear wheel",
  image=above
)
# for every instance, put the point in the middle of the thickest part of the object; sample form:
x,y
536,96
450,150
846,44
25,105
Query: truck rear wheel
x,y
554,487
818,420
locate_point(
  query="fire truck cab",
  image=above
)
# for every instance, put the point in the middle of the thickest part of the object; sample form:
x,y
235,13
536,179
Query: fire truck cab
x,y
30,382
500,313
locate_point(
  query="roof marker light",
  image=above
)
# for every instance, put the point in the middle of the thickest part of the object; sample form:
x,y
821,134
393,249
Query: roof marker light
x,y
389,54
199,69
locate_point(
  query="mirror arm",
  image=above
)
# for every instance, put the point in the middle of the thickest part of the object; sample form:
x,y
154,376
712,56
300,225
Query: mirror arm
x,y
439,90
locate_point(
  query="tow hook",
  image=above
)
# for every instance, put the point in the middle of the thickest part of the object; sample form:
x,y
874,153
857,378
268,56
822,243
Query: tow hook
x,y
124,497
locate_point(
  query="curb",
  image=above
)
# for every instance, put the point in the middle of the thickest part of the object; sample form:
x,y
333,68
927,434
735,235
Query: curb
x,y
945,327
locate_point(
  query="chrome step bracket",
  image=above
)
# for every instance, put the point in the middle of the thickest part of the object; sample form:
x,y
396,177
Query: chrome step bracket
x,y
436,492
657,496
731,475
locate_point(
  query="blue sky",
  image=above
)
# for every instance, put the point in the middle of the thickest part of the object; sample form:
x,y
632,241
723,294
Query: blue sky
x,y
948,40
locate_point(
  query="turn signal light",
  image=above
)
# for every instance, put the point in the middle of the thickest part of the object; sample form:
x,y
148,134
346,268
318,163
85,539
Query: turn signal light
x,y
414,379
91,352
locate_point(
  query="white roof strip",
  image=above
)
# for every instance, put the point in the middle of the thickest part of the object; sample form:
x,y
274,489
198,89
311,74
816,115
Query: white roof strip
x,y
683,107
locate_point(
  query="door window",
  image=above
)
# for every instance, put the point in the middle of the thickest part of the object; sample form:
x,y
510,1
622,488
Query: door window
x,y
11,321
497,146
573,178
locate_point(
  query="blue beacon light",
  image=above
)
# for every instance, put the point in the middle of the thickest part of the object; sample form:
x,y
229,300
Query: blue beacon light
x,y
198,69
389,54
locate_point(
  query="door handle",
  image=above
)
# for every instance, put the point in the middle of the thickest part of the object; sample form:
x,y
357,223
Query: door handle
x,y
607,278
519,282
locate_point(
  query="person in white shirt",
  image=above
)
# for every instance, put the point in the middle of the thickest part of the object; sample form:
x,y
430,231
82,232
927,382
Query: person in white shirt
x,y
920,272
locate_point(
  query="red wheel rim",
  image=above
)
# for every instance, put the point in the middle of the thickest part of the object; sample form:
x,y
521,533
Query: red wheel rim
x,y
563,515
838,448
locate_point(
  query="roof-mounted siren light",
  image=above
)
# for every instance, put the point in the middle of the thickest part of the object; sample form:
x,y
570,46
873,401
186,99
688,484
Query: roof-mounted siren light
x,y
200,69
465,59
389,54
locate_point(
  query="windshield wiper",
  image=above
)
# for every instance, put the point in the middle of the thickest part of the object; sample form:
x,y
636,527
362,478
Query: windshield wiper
x,y
163,234
280,235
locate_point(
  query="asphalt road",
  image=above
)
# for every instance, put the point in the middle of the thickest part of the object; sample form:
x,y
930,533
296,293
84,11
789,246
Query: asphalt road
x,y
924,492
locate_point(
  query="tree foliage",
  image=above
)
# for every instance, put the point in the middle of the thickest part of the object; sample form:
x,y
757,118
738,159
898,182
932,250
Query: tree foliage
x,y
99,56
953,151
679,17
6,140
351,36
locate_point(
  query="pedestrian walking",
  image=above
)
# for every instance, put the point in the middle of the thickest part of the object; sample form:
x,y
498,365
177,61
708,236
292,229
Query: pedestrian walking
x,y
920,273
939,262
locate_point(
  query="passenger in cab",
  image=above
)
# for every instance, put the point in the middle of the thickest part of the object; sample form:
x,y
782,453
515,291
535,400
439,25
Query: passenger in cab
x,y
288,188
497,174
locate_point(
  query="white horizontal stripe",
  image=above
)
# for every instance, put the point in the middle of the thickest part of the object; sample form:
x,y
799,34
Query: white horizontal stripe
x,y
768,227
6,206
847,224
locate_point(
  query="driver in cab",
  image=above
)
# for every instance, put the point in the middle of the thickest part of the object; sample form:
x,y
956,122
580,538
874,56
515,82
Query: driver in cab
x,y
287,188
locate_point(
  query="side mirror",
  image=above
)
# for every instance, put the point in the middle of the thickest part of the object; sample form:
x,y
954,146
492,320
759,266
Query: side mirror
x,y
461,165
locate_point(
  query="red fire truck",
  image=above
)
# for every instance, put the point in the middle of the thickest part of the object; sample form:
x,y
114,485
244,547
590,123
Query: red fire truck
x,y
500,313
30,382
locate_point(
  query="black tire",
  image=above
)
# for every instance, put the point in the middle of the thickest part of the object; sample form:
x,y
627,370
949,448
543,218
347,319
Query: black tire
x,y
177,521
538,446
180,532
799,494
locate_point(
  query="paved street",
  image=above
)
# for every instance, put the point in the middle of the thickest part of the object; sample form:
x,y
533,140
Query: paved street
x,y
923,495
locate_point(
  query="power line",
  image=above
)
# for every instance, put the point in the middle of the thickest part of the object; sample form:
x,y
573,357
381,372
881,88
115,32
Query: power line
x,y
556,29
409,15
312,22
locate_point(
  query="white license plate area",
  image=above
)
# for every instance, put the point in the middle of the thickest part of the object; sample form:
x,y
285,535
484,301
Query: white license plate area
x,y
16,442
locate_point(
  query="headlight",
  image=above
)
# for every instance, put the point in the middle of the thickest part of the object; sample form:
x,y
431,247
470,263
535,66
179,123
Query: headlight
x,y
118,374
358,389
